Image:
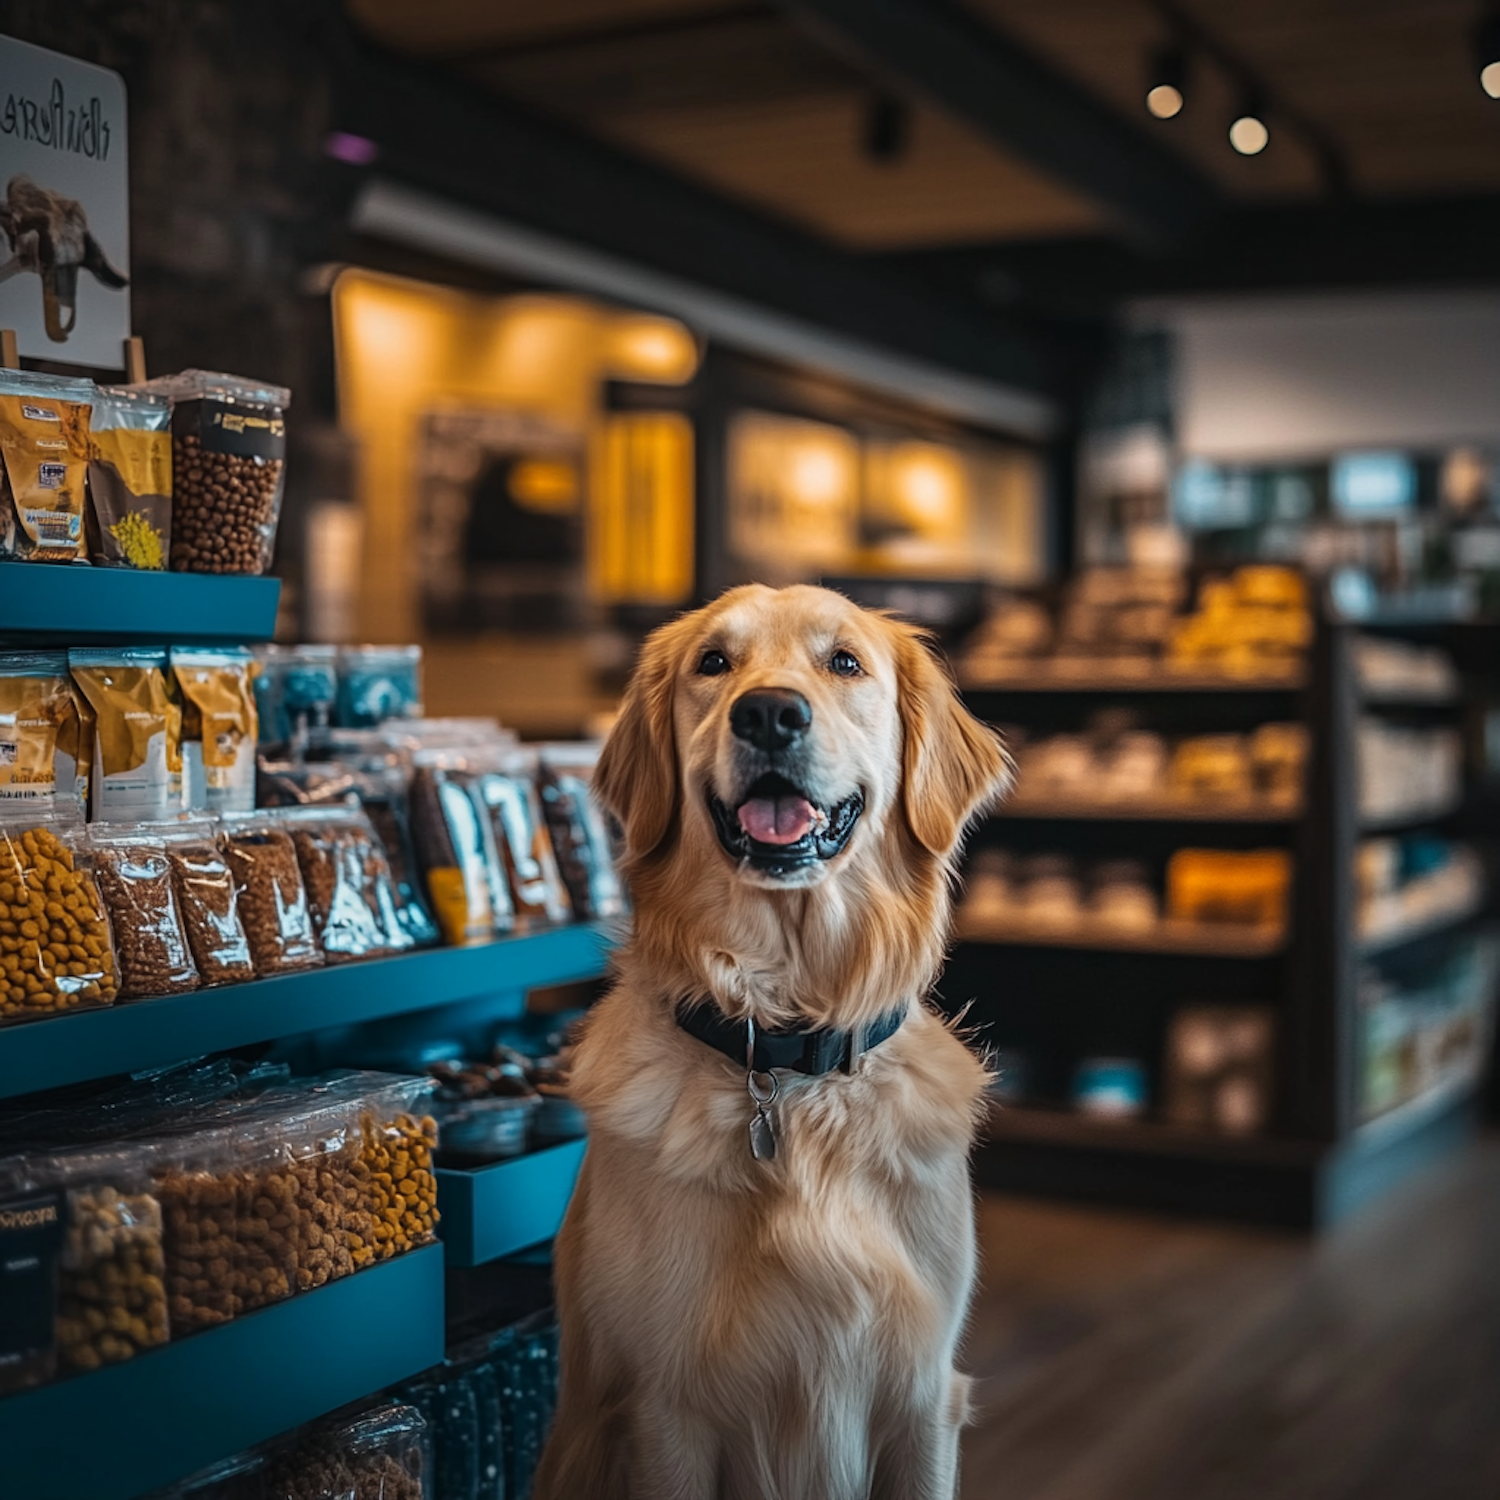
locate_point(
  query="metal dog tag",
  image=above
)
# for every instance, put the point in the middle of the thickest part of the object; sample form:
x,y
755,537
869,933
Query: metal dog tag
x,y
762,1123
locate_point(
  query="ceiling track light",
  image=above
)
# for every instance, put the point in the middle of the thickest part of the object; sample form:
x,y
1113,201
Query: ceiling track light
x,y
1166,81
887,129
1487,53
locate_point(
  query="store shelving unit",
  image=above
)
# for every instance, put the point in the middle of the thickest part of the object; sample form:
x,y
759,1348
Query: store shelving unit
x,y
1058,994
121,1431
137,1426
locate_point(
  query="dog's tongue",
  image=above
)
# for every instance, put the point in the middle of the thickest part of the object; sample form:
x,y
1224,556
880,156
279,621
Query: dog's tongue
x,y
776,820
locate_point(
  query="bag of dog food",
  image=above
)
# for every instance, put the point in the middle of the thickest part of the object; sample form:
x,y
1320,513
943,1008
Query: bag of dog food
x,y
73,760
580,833
219,727
35,699
130,479
44,456
137,741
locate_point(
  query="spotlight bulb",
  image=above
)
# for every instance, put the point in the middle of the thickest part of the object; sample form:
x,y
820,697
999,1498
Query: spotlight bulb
x,y
1249,136
1489,79
1164,101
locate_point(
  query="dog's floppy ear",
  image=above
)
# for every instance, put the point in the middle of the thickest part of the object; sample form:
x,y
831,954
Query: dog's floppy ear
x,y
952,765
636,777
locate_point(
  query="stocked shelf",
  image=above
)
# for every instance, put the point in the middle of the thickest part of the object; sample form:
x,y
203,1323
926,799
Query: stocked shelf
x,y
154,1033
1413,816
76,603
1397,934
491,1212
1166,937
1150,810
1046,676
137,1426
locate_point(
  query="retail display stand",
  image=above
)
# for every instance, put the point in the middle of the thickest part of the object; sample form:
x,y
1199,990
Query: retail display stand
x,y
1070,993
136,1426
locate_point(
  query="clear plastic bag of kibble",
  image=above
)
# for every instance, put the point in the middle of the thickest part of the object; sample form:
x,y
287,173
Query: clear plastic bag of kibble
x,y
134,875
383,1453
228,470
111,1276
55,950
207,901
348,880
273,905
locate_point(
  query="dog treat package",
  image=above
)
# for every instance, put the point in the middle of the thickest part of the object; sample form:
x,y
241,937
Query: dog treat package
x,y
376,683
44,458
219,727
348,881
509,798
208,902
134,873
36,699
580,834
374,782
455,853
228,467
111,1289
273,902
55,950
137,771
379,1454
296,689
73,759
129,522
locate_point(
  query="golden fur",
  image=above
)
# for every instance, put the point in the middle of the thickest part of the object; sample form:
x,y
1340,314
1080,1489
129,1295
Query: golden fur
x,y
743,1330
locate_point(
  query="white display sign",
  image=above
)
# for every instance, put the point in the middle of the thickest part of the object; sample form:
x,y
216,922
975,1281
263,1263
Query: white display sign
x,y
65,209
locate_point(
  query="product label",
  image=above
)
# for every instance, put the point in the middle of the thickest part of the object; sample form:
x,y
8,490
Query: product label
x,y
225,426
31,1234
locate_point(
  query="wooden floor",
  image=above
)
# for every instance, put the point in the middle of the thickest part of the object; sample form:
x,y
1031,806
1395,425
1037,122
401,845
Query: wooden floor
x,y
1122,1357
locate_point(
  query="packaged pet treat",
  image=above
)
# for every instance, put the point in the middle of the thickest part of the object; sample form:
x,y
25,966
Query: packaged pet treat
x,y
44,456
135,878
509,798
456,854
579,833
209,903
348,882
273,902
137,770
73,760
228,462
376,683
55,950
219,727
130,479
35,700
33,1216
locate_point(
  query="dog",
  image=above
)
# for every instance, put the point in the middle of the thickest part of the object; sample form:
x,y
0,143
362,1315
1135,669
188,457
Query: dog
x,y
763,1275
49,234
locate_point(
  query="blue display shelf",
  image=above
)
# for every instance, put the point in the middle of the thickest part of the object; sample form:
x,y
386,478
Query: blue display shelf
x,y
123,1431
76,605
155,1033
490,1212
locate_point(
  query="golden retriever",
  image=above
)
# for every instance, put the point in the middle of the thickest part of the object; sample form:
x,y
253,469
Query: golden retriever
x,y
793,775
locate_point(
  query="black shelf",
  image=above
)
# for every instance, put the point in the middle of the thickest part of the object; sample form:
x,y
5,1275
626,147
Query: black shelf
x,y
163,1415
153,1033
76,604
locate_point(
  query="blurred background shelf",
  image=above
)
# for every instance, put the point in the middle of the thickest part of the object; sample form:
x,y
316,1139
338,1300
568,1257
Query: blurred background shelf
x,y
494,1211
1044,676
1398,934
154,1033
75,604
1165,937
137,1426
1410,817
1158,810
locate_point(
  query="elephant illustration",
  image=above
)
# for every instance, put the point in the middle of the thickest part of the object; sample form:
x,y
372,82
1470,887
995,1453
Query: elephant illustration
x,y
49,234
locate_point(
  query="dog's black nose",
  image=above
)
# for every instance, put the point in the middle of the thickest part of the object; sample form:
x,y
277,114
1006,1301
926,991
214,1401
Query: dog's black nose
x,y
771,718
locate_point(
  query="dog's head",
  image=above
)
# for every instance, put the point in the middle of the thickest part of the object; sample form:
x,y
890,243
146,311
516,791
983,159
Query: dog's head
x,y
787,740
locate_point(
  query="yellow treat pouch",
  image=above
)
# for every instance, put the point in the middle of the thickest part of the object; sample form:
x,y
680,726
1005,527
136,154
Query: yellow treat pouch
x,y
35,700
137,762
220,725
130,479
44,445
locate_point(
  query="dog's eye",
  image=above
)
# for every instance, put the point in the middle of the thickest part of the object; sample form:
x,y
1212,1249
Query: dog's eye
x,y
844,664
713,664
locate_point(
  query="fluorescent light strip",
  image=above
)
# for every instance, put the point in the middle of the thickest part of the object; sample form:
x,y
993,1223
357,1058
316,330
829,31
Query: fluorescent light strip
x,y
392,211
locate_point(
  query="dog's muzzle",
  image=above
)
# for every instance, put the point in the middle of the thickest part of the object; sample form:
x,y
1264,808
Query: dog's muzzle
x,y
773,803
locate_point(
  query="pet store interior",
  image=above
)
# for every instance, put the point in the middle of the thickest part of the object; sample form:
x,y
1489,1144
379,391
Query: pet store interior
x,y
375,377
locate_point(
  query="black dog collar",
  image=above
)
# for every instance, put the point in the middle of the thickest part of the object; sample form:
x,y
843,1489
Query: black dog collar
x,y
810,1052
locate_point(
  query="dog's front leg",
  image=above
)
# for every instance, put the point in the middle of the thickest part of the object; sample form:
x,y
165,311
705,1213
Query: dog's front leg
x,y
919,1459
